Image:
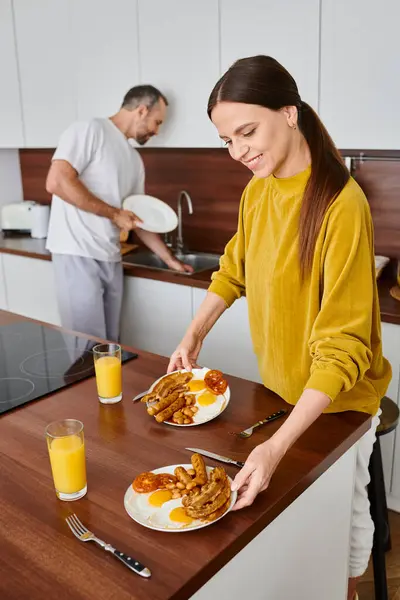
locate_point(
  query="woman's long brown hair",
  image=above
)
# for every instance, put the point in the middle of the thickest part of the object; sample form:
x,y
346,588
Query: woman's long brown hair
x,y
263,81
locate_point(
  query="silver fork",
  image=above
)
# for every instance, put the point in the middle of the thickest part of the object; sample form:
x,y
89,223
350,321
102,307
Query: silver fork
x,y
84,535
246,433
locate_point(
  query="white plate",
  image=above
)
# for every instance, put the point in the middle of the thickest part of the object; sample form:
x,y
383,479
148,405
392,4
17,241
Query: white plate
x,y
205,413
139,510
157,216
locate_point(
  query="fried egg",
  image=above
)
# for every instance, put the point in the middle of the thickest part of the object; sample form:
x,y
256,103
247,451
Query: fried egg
x,y
196,385
148,504
172,515
206,399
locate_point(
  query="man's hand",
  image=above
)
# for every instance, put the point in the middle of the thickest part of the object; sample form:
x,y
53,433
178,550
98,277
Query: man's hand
x,y
126,220
177,265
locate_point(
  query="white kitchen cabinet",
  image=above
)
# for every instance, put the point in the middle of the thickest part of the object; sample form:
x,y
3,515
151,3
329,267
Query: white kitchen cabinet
x,y
3,289
228,346
47,63
287,31
31,288
360,58
11,132
155,314
179,54
106,45
390,443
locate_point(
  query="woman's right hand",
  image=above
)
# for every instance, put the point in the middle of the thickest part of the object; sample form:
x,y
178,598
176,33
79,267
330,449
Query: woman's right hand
x,y
186,354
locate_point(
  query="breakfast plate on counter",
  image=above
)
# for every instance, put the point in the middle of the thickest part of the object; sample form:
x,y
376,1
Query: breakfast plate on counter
x,y
166,509
198,396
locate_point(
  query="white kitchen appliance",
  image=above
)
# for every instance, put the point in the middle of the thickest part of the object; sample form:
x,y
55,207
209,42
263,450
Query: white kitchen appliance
x,y
25,217
17,217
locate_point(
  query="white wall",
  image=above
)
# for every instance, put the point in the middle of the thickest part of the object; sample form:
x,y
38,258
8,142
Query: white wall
x,y
10,177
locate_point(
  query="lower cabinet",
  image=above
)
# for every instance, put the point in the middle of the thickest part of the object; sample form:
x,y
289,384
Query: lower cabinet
x,y
3,290
390,443
228,346
30,288
155,314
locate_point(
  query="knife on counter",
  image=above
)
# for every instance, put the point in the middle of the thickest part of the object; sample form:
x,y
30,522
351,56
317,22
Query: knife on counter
x,y
218,457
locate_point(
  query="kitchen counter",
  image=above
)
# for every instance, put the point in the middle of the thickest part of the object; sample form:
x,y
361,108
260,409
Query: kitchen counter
x,y
40,558
26,246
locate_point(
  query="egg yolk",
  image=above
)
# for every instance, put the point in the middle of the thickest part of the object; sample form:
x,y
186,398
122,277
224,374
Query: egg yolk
x,y
179,515
196,385
158,498
206,399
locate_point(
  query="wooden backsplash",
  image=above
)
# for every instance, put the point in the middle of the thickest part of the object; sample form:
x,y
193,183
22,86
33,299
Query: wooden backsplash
x,y
215,183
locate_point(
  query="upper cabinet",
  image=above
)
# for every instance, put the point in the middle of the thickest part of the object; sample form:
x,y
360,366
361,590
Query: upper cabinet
x,y
105,41
47,66
287,31
11,132
179,54
360,68
62,60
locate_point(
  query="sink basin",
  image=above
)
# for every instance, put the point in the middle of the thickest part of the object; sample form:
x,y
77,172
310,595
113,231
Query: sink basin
x,y
200,261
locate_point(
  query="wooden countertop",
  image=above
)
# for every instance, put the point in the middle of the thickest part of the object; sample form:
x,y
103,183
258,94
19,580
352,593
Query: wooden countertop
x,y
26,246
39,557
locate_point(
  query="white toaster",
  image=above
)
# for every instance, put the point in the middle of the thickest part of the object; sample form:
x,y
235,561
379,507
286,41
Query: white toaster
x,y
17,217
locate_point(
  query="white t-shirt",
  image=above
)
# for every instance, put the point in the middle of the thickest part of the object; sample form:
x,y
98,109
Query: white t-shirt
x,y
112,170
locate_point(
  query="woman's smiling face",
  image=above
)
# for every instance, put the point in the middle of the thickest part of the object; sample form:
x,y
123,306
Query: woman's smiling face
x,y
258,137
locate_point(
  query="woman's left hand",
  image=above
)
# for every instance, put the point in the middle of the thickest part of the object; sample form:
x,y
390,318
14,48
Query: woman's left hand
x,y
256,474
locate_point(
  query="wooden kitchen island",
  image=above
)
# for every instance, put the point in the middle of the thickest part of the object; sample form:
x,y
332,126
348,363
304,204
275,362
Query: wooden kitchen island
x,y
292,543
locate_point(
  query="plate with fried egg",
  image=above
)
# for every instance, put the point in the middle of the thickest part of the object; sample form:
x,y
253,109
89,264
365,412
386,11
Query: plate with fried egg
x,y
163,509
195,402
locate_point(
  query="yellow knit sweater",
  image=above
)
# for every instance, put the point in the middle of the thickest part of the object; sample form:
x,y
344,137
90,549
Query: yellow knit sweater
x,y
324,333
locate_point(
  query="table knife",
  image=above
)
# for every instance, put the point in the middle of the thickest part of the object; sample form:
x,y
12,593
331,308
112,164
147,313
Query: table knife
x,y
140,396
218,457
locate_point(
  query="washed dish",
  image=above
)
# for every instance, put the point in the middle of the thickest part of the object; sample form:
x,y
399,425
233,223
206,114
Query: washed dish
x,y
185,398
180,497
157,216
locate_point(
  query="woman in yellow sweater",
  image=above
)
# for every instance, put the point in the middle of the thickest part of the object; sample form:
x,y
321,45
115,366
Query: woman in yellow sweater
x,y
303,255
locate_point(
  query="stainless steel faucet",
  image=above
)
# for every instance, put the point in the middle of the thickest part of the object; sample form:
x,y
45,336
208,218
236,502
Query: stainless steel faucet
x,y
179,239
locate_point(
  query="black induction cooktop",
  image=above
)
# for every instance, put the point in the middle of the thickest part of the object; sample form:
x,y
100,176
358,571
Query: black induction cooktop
x,y
36,360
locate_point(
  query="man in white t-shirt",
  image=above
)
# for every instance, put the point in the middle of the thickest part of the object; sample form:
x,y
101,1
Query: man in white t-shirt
x,y
94,168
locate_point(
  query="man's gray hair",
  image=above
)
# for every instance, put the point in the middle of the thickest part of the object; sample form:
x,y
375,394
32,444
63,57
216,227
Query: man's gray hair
x,y
142,94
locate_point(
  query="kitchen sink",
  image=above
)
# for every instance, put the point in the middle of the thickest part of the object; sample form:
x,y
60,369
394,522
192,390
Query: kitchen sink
x,y
200,261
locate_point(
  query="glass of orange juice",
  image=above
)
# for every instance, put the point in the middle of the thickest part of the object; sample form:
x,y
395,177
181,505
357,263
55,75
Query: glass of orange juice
x,y
107,364
66,447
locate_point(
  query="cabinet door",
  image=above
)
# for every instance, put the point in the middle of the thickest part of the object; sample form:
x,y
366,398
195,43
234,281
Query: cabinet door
x,y
287,31
47,62
391,351
3,290
228,346
31,288
360,83
11,134
155,314
106,42
179,54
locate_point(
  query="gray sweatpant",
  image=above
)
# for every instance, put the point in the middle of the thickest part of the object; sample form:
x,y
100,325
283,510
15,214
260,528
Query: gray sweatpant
x,y
89,295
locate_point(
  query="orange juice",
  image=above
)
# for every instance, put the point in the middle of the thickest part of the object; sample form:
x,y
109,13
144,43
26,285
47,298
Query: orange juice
x,y
108,376
67,459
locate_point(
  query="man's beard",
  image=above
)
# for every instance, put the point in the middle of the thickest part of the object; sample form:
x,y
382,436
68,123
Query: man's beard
x,y
143,138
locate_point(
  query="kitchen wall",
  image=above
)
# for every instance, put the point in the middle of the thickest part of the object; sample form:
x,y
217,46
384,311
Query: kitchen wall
x,y
215,183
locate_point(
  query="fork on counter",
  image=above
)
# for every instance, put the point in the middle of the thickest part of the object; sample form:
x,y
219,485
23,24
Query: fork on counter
x,y
84,535
246,433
